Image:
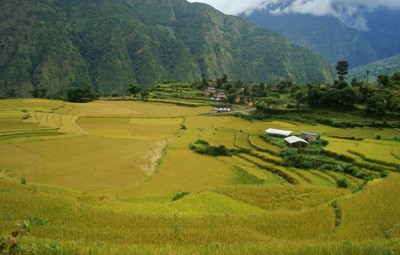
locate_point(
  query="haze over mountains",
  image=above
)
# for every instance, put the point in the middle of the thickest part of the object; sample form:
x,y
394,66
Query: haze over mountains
x,y
110,44
360,31
336,40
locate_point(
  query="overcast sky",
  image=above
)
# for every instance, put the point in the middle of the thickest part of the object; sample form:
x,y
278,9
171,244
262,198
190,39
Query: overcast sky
x,y
315,7
348,11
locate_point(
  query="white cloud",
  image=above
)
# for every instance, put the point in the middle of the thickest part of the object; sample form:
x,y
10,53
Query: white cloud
x,y
314,7
235,7
350,12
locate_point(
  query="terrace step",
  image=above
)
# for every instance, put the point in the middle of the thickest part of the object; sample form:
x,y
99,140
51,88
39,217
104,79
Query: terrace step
x,y
290,178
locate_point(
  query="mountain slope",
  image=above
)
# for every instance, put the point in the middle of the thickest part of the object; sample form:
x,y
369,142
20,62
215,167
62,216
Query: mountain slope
x,y
336,40
109,44
385,66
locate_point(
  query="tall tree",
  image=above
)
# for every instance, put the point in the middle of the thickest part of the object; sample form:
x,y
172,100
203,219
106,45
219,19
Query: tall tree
x,y
134,89
342,68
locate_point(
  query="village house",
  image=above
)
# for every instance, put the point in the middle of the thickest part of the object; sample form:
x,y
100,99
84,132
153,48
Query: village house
x,y
278,132
219,97
222,108
296,142
310,137
247,99
210,90
244,100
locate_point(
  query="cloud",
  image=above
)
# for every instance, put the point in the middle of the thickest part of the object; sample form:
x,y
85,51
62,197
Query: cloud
x,y
235,7
350,12
314,7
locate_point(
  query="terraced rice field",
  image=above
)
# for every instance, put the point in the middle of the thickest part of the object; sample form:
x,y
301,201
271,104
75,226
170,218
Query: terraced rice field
x,y
108,172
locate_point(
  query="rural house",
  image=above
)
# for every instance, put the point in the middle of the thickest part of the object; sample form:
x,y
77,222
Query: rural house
x,y
278,132
222,108
218,97
211,90
296,142
310,137
247,99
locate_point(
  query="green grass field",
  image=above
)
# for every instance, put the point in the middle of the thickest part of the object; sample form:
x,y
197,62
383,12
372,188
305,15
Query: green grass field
x,y
112,177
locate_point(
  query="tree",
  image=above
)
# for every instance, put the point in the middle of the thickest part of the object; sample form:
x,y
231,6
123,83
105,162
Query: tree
x,y
224,78
376,104
134,89
384,80
314,96
145,95
396,78
393,103
38,93
300,97
79,95
341,84
259,90
11,93
342,68
232,97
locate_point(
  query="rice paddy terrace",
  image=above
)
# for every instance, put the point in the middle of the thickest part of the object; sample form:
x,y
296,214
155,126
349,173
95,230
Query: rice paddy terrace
x,y
112,177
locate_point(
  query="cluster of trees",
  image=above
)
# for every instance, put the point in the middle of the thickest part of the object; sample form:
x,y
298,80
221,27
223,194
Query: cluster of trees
x,y
377,98
135,90
38,93
81,95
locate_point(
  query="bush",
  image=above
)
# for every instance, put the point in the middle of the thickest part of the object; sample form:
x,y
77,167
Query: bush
x,y
202,142
342,183
203,147
78,95
179,195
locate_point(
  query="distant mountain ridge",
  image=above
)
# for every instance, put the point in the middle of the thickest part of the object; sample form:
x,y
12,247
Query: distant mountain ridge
x,y
335,40
110,44
384,66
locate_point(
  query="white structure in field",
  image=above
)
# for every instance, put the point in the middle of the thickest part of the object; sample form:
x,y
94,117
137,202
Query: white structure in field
x,y
278,132
294,141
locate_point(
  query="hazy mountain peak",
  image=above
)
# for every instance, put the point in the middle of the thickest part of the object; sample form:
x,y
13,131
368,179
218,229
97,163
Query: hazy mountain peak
x,y
350,12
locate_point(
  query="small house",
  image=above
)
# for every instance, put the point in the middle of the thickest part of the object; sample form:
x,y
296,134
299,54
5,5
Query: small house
x,y
222,108
296,142
278,132
219,97
210,90
247,99
310,137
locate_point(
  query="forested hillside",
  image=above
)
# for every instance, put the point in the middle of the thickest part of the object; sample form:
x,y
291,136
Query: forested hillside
x,y
53,45
335,39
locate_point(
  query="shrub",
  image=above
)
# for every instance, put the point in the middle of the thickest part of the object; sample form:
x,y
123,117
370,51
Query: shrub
x,y
180,195
202,142
342,183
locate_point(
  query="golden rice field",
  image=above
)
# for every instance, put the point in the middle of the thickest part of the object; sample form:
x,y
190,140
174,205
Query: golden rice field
x,y
111,177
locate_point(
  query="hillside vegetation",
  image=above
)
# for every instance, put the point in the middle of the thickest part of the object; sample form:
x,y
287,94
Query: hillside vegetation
x,y
54,45
337,40
374,69
112,177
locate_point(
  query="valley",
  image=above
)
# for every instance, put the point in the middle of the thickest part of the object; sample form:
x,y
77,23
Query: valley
x,y
118,176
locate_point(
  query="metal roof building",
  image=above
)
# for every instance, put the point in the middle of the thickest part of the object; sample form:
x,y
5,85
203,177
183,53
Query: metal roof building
x,y
294,141
278,132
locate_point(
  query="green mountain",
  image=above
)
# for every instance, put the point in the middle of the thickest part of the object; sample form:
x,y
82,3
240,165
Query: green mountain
x,y
385,66
55,44
334,38
324,34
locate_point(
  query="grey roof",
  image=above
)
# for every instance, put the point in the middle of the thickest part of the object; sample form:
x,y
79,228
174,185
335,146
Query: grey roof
x,y
295,139
308,133
273,131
